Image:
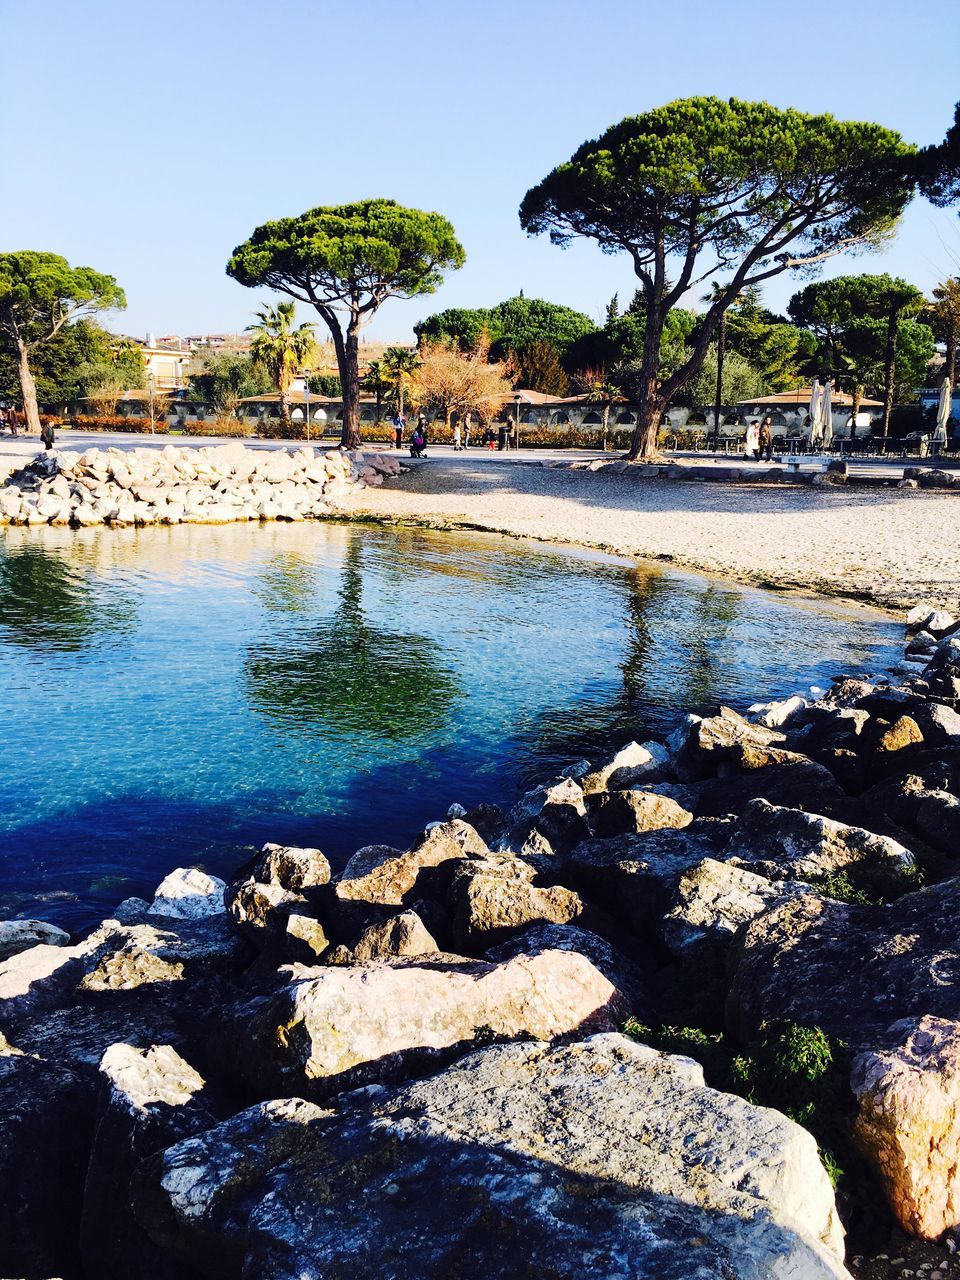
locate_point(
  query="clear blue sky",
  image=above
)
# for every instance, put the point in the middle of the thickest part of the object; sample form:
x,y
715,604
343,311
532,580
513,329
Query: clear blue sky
x,y
148,140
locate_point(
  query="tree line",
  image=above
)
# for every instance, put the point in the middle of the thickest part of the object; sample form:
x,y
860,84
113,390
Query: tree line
x,y
701,194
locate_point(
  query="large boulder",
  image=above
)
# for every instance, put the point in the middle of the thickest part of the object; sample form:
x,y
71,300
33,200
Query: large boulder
x,y
378,876
908,1123
712,901
782,843
487,907
632,811
334,1028
404,934
849,969
715,739
634,876
150,1099
20,935
602,1157
630,765
188,893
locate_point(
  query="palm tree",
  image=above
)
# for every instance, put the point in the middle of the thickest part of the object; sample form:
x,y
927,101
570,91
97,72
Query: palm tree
x,y
280,349
603,391
944,314
376,380
399,366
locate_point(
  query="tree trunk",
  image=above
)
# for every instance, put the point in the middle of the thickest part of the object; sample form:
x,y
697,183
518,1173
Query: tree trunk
x,y
606,419
718,400
651,403
285,405
379,405
350,383
856,397
28,389
950,368
889,361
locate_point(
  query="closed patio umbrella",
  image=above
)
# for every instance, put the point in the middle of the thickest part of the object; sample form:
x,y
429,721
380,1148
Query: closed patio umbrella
x,y
816,424
826,415
943,412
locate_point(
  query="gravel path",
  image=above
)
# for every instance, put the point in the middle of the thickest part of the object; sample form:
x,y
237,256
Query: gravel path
x,y
884,545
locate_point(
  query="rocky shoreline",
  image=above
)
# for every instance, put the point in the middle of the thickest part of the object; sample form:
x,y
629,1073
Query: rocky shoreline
x,y
211,485
569,1033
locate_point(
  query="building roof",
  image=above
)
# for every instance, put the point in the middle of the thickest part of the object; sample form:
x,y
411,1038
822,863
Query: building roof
x,y
801,397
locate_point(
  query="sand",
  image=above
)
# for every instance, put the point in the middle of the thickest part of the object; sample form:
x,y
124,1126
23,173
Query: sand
x,y
889,546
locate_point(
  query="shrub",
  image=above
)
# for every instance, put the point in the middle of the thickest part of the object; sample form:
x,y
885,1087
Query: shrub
x,y
798,1070
225,425
89,422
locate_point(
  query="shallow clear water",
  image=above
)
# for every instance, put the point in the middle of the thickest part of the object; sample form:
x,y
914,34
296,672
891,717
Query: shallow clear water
x,y
182,695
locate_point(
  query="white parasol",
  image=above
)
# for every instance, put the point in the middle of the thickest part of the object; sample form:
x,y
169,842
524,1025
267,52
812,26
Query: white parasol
x,y
943,412
816,394
826,415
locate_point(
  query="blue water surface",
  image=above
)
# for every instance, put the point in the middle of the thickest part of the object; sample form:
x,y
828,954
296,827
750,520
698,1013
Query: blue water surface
x,y
179,696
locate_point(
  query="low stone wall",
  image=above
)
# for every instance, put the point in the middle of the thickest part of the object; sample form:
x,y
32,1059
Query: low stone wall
x,y
216,485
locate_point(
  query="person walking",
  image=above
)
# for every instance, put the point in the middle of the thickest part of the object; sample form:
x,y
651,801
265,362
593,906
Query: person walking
x,y
752,444
47,434
457,446
766,439
466,430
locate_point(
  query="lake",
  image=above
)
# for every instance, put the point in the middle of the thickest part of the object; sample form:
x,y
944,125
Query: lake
x,y
182,695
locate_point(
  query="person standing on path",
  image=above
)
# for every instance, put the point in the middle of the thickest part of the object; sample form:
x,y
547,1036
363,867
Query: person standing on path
x,y
398,425
457,446
466,430
751,446
766,440
47,434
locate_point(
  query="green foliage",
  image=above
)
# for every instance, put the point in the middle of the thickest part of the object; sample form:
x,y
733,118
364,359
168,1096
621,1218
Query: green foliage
x,y
278,348
619,345
41,292
538,368
798,1070
702,185
328,384
779,352
837,885
374,248
510,326
67,366
740,380
939,167
226,378
731,172
465,325
849,316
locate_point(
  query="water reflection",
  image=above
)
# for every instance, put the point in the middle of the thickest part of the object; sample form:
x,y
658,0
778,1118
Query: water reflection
x,y
345,675
48,602
337,686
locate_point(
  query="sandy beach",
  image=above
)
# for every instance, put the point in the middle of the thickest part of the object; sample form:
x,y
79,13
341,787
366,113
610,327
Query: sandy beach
x,y
887,546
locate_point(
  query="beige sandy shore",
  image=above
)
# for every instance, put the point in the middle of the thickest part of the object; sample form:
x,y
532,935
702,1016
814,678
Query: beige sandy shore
x,y
884,545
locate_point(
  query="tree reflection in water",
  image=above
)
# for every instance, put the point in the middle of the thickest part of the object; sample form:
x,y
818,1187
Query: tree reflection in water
x,y
674,645
46,601
343,675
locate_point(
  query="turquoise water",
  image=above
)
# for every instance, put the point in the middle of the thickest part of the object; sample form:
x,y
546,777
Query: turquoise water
x,y
182,695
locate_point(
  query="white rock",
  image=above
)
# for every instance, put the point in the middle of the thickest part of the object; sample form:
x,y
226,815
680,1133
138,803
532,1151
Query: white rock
x,y
773,715
188,893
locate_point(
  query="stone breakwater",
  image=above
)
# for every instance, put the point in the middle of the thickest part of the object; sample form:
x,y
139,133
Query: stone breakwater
x,y
214,485
421,1059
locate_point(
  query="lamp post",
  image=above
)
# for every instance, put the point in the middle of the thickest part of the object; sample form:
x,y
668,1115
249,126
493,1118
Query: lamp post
x,y
517,401
306,398
151,393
